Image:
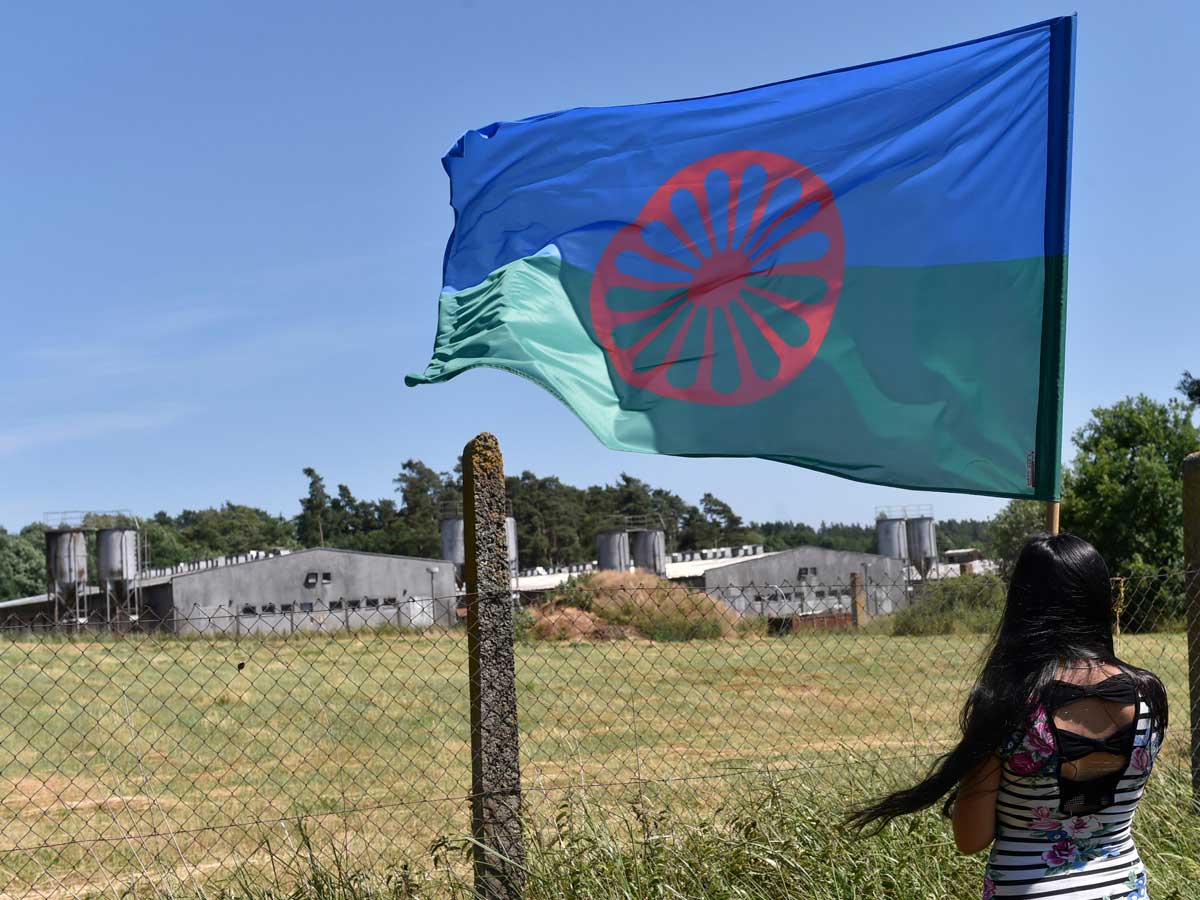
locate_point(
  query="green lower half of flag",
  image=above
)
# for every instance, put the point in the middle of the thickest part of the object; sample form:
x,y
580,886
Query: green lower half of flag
x,y
929,377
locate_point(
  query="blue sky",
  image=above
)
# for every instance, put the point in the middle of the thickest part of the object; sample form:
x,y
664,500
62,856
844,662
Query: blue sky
x,y
224,222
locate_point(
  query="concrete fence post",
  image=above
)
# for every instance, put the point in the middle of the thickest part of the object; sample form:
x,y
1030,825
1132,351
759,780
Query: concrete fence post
x,y
499,849
1191,555
858,596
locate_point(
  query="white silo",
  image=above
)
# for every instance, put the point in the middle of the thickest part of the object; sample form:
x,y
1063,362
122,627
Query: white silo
x,y
922,543
891,536
118,564
649,549
67,572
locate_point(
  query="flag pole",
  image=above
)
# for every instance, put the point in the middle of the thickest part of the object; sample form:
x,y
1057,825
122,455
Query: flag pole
x,y
1052,510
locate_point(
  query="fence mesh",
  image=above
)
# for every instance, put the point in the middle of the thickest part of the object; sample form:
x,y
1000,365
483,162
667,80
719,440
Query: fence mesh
x,y
162,761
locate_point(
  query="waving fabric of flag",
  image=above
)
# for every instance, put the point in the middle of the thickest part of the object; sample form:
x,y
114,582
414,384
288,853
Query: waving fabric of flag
x,y
861,272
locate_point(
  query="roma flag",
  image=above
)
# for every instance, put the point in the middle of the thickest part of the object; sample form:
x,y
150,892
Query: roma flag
x,y
861,272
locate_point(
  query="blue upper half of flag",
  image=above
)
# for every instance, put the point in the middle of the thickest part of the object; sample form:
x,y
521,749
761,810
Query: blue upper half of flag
x,y
955,155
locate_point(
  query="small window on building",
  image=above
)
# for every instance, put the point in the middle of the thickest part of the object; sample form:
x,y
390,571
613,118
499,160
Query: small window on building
x,y
248,610
335,604
308,607
372,603
354,604
268,608
813,572
820,595
326,577
310,580
389,601
285,607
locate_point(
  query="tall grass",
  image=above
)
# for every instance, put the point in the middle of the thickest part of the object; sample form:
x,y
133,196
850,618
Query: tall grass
x,y
774,838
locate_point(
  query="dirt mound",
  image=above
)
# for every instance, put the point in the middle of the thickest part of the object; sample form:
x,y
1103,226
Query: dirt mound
x,y
646,604
568,623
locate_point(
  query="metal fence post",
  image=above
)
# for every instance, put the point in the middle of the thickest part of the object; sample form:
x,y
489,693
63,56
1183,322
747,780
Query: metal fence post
x,y
499,849
1191,555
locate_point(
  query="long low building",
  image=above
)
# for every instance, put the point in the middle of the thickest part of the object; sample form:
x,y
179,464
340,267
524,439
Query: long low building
x,y
796,581
319,589
805,580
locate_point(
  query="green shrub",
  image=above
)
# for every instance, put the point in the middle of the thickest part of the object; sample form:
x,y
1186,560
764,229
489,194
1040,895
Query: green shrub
x,y
1151,599
523,623
969,604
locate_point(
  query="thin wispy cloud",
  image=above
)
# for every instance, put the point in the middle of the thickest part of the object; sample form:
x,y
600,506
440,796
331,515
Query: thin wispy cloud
x,y
64,429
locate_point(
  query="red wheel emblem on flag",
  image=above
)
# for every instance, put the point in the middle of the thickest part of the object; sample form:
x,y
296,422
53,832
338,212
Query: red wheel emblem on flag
x,y
722,290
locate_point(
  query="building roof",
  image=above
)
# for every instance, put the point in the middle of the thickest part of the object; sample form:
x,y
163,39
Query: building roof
x,y
691,568
152,577
24,601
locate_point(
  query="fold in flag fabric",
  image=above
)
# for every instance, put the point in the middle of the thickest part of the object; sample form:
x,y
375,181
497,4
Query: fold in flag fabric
x,y
861,272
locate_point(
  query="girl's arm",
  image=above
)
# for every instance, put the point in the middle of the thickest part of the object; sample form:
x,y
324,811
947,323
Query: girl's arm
x,y
974,813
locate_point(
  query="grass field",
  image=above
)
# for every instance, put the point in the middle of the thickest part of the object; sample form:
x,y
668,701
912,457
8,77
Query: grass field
x,y
154,764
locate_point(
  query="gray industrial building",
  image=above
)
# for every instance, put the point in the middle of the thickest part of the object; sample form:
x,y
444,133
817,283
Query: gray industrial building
x,y
278,592
317,589
805,580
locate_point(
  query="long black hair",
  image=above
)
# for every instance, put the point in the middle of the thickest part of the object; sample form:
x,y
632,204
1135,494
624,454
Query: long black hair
x,y
1059,613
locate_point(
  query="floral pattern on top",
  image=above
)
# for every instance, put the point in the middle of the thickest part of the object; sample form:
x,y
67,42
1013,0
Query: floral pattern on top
x,y
1069,846
1145,750
1134,887
1033,751
1077,841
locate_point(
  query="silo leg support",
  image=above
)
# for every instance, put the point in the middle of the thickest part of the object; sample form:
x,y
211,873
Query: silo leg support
x,y
499,849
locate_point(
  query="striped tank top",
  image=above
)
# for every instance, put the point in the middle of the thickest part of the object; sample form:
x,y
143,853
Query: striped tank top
x,y
1058,839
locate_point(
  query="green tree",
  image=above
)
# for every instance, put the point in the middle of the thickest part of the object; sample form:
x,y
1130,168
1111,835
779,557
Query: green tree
x,y
784,535
233,529
1123,492
310,524
1011,527
699,532
962,534
22,565
720,513
1189,386
843,536
165,543
421,492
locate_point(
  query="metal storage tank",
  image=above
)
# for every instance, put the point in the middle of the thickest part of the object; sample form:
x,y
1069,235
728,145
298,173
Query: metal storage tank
x,y
612,550
510,538
454,539
922,542
117,554
650,551
892,537
66,557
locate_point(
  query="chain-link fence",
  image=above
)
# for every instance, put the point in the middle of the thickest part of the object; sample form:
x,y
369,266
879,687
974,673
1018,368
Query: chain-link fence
x,y
162,760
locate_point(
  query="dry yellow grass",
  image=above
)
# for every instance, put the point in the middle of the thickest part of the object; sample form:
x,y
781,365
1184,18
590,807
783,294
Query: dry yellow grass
x,y
162,756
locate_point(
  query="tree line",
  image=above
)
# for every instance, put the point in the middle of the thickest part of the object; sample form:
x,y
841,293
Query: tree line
x,y
1121,491
556,524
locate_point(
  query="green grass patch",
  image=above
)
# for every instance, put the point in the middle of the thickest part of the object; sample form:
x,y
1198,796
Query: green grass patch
x,y
150,763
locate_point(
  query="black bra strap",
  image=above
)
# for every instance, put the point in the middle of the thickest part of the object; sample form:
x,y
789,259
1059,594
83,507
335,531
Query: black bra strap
x,y
1116,688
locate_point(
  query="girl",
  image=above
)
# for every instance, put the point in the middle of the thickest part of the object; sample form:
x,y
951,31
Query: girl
x,y
1058,739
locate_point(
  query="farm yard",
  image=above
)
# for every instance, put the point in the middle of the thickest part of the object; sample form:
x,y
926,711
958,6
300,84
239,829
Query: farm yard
x,y
158,765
